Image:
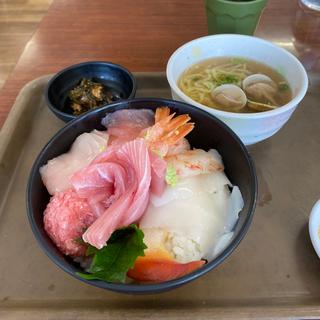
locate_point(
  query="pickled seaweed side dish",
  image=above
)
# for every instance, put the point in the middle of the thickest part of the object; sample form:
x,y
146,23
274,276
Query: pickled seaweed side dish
x,y
90,95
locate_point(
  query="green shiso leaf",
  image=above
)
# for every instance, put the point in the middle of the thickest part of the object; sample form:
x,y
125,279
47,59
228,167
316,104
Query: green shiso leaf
x,y
171,176
112,262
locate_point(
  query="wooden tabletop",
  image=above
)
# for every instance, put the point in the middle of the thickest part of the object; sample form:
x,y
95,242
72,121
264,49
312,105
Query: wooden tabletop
x,y
140,35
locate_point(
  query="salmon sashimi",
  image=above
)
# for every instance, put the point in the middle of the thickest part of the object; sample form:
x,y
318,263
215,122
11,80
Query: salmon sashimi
x,y
159,270
123,175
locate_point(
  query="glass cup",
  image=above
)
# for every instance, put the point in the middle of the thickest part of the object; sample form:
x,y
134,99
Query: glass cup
x,y
306,32
311,4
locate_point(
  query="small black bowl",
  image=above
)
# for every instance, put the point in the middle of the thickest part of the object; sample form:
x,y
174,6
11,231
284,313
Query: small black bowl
x,y
209,132
109,74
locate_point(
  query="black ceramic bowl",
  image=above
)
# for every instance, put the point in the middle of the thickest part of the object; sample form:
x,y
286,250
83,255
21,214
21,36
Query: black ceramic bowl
x,y
109,74
209,132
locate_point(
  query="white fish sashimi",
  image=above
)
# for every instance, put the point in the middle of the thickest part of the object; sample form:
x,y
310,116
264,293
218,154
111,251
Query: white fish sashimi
x,y
56,173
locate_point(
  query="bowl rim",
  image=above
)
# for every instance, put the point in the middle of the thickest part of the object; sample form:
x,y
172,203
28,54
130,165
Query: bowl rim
x,y
240,4
253,115
314,227
143,288
55,110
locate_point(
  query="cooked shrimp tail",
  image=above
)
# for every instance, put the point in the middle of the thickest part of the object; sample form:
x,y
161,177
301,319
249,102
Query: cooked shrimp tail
x,y
174,136
167,131
161,113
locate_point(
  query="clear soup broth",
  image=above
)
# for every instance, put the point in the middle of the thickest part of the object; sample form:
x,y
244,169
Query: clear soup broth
x,y
235,85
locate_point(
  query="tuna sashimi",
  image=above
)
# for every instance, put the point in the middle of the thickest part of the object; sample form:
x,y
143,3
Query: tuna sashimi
x,y
158,174
101,184
65,219
136,155
123,176
125,125
56,173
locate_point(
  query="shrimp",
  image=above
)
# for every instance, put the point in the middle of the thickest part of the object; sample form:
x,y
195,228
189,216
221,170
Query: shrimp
x,y
194,162
168,132
181,146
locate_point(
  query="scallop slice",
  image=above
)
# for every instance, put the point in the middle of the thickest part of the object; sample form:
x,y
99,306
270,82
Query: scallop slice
x,y
230,96
260,87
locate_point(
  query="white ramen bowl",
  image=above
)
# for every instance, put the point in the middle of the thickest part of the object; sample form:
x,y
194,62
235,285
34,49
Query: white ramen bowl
x,y
314,227
250,127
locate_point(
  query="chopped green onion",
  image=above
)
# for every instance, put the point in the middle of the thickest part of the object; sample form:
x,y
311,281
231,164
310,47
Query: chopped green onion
x,y
283,86
223,78
238,60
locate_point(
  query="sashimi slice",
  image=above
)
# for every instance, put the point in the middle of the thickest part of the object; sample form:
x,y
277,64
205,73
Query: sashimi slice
x,y
195,213
191,186
98,233
137,156
235,205
101,184
125,125
158,269
128,207
56,173
158,174
99,178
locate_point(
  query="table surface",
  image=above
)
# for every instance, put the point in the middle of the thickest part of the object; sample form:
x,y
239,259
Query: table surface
x,y
140,35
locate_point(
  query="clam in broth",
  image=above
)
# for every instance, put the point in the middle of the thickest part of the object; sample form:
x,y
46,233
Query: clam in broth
x,y
229,96
224,83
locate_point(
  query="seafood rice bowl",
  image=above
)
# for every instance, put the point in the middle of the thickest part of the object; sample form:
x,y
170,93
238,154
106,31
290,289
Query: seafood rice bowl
x,y
134,200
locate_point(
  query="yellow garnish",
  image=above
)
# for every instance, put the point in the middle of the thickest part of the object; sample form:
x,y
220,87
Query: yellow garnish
x,y
147,134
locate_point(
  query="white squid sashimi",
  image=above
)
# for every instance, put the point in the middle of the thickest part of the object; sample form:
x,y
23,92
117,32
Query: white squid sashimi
x,y
191,218
56,173
188,187
235,205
